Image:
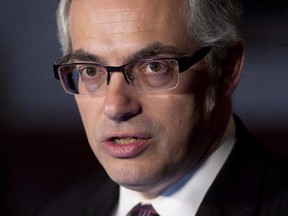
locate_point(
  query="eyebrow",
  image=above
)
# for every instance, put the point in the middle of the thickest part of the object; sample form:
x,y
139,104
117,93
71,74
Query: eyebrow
x,y
151,51
82,55
155,50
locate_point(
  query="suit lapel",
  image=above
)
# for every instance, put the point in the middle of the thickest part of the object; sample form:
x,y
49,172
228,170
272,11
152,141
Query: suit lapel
x,y
236,187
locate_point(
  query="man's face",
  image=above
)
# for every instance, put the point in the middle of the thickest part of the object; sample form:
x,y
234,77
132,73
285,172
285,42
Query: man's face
x,y
145,141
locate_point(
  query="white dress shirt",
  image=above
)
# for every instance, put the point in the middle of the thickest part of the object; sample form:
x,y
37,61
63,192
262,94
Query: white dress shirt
x,y
185,196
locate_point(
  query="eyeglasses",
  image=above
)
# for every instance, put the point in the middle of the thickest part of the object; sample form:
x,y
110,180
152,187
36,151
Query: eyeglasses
x,y
150,75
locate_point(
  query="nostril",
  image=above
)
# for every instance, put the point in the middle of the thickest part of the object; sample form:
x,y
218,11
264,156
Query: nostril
x,y
127,116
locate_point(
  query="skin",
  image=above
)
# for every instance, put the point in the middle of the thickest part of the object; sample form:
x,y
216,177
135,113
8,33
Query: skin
x,y
173,129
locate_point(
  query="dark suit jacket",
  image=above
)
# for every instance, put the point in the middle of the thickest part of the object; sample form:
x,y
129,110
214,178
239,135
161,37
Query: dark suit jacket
x,y
252,182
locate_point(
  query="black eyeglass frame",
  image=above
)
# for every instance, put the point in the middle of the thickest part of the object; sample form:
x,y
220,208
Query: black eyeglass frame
x,y
184,63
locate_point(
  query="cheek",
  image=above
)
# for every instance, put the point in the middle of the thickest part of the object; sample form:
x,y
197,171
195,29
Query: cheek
x,y
89,112
181,118
176,114
174,110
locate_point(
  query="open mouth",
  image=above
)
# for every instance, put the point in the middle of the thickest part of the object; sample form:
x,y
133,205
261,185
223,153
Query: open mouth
x,y
126,146
124,141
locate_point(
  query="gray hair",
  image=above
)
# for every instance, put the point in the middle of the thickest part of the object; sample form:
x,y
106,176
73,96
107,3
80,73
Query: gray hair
x,y
214,23
211,23
63,18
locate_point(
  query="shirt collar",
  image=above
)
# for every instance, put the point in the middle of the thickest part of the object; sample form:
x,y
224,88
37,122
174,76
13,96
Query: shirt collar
x,y
185,196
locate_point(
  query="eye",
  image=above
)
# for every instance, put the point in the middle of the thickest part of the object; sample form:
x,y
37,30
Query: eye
x,y
156,67
89,71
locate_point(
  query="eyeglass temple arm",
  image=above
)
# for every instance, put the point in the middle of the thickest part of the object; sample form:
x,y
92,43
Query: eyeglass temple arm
x,y
193,59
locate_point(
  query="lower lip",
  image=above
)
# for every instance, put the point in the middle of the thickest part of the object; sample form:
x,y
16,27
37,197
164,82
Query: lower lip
x,y
126,151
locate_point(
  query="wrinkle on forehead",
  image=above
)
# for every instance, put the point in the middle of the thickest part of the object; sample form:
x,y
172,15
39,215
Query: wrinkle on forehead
x,y
119,21
123,26
126,11
117,15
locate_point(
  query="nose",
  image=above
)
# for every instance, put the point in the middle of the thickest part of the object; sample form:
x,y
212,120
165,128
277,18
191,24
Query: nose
x,y
120,103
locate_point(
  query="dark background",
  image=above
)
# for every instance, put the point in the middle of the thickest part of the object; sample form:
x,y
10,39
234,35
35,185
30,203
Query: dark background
x,y
42,141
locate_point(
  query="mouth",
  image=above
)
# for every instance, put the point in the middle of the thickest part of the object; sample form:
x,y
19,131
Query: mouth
x,y
124,141
126,146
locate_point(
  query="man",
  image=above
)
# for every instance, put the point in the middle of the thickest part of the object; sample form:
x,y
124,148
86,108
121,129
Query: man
x,y
153,82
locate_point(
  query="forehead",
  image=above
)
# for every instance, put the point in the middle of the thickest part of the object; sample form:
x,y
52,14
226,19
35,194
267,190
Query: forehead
x,y
128,9
126,24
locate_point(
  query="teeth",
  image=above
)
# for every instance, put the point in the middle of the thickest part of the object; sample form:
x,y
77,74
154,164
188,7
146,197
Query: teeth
x,y
124,141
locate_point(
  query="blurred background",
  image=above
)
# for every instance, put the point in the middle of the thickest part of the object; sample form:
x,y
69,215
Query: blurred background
x,y
42,141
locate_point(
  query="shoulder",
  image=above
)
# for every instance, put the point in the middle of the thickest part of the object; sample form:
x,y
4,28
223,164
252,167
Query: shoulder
x,y
274,193
265,173
85,196
253,181
249,150
254,156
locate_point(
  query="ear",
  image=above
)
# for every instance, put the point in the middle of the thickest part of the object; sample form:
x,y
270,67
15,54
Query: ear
x,y
230,68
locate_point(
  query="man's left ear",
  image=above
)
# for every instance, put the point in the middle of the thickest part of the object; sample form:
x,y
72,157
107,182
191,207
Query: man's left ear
x,y
230,68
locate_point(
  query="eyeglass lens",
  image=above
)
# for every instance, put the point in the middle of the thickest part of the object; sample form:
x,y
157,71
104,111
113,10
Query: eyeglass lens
x,y
87,78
